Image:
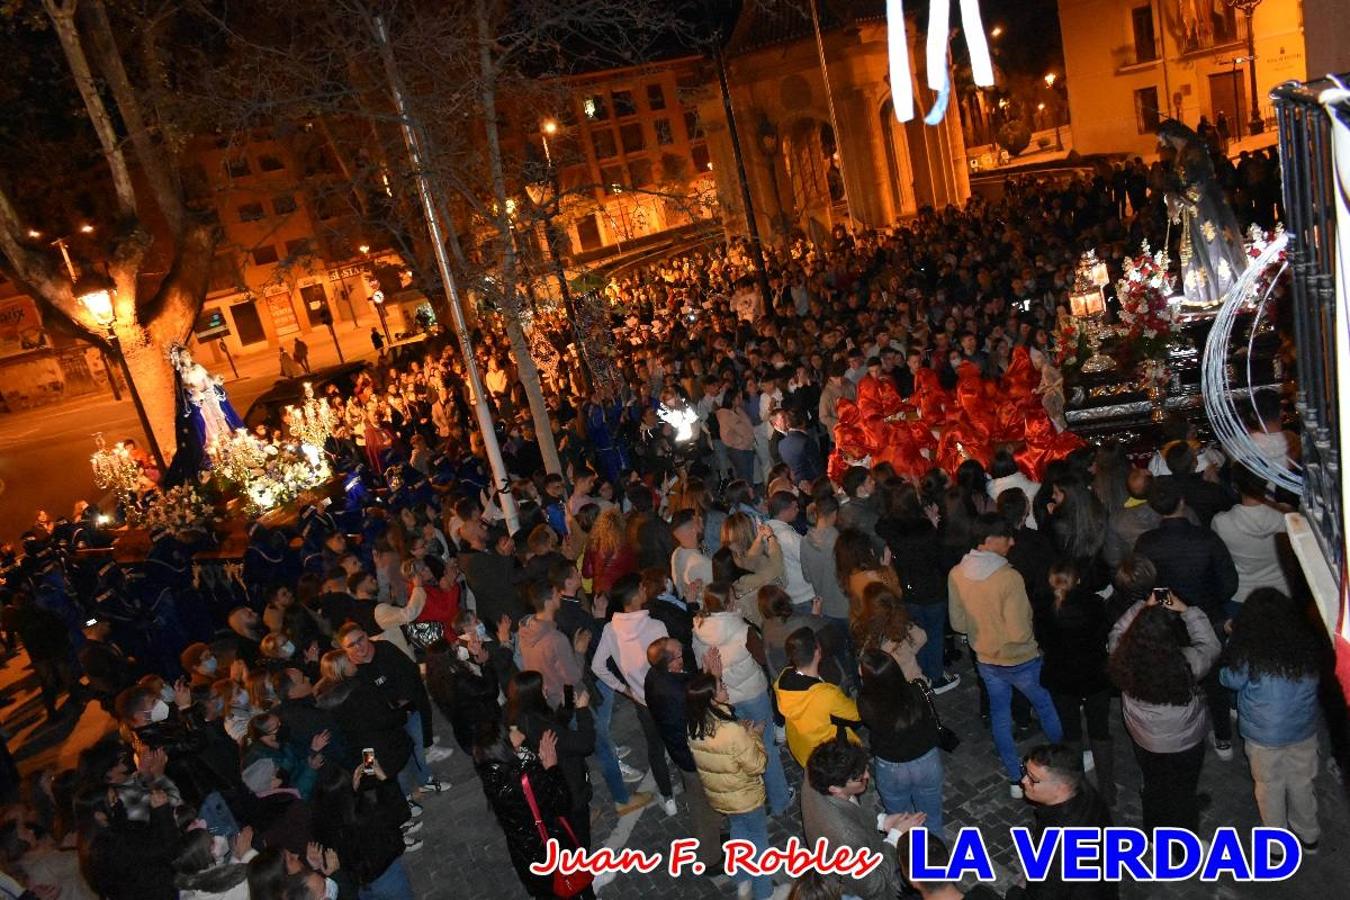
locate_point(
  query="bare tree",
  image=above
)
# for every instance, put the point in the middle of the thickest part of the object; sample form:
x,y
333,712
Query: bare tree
x,y
155,250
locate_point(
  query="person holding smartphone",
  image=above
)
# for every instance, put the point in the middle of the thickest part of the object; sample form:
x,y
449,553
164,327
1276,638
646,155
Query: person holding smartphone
x,y
1166,715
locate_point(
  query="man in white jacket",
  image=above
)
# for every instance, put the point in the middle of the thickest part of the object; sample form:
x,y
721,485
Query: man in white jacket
x,y
783,511
621,662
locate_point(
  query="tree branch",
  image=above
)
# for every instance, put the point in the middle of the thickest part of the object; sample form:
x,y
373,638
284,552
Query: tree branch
x,y
63,18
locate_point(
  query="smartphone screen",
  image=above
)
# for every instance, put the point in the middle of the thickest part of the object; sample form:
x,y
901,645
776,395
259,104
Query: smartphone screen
x,y
368,760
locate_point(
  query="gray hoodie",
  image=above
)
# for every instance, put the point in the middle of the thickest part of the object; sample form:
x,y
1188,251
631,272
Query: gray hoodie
x,y
818,567
546,650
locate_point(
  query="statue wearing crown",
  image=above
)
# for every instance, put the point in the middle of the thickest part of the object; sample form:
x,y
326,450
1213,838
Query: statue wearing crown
x,y
203,414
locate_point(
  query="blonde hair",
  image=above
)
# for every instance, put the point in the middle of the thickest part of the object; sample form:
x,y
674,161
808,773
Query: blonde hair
x,y
738,533
335,666
607,534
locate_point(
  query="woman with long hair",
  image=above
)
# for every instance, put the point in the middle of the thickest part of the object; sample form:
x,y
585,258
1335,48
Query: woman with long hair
x,y
505,766
529,712
1165,711
1071,631
463,684
904,736
780,620
360,814
749,558
729,755
1110,469
913,542
608,556
1078,528
1274,660
740,654
208,867
860,560
881,621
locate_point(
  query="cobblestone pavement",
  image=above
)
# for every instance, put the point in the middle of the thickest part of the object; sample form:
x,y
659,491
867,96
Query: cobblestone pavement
x,y
465,854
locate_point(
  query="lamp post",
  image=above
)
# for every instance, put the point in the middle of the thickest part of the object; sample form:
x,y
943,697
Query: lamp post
x,y
378,296
1248,7
98,303
1050,79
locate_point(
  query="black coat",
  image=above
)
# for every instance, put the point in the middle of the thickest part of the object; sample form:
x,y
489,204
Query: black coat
x,y
574,746
679,622
1073,643
502,787
367,719
201,757
666,692
304,719
1086,809
1193,561
400,681
364,828
467,698
1031,556
916,555
1205,498
133,860
107,666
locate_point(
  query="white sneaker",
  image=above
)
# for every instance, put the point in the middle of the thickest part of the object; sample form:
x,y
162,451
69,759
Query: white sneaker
x,y
1015,791
1088,762
949,681
436,753
621,751
668,805
1222,749
745,890
629,773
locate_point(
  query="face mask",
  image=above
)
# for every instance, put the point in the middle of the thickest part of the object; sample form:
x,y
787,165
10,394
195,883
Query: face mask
x,y
288,649
207,666
481,630
159,712
241,698
462,652
330,889
166,693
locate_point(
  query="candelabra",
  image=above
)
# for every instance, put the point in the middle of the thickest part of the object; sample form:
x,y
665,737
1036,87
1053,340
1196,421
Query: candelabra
x,y
1087,302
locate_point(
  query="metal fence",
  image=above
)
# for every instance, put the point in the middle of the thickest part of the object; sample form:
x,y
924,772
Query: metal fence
x,y
1310,219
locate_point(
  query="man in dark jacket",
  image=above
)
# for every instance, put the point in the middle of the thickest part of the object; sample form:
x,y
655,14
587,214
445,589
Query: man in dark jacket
x,y
649,535
386,667
665,687
47,640
799,450
1052,780
108,668
487,559
1204,498
1194,563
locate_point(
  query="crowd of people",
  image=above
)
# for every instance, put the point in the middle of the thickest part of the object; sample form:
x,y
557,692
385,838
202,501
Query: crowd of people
x,y
695,567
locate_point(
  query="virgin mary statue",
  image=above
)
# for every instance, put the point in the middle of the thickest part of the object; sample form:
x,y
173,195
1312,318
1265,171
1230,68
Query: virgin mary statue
x,y
203,414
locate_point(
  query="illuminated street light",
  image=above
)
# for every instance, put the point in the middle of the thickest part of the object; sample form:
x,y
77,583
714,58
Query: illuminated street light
x,y
86,229
98,303
996,32
1040,107
1050,79
34,233
364,248
550,127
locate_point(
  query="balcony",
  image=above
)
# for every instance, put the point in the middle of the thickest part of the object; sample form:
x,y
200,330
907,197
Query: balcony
x,y
1135,57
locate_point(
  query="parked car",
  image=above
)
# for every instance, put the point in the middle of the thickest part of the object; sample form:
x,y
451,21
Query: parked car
x,y
268,408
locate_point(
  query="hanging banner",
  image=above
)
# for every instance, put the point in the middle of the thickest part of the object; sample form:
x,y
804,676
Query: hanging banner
x,y
20,327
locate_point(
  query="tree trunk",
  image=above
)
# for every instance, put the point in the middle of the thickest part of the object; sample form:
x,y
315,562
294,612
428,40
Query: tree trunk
x,y
526,369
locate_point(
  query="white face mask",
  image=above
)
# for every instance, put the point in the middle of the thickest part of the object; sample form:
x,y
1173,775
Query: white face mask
x,y
207,666
159,712
166,693
481,630
330,889
288,649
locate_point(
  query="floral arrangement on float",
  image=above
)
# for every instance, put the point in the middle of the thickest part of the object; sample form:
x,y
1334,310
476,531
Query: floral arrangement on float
x,y
1257,242
1071,346
266,474
1145,314
179,508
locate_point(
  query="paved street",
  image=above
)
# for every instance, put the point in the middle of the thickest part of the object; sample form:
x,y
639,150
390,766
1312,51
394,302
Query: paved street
x,y
465,854
44,452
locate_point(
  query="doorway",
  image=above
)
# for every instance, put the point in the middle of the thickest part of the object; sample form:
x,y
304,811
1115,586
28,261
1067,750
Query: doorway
x,y
247,323
1228,94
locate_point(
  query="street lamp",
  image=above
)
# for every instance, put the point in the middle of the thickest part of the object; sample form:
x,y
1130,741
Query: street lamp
x,y
1248,8
996,32
378,296
1050,79
98,303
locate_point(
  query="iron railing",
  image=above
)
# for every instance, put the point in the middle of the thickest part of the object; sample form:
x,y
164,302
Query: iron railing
x,y
1310,219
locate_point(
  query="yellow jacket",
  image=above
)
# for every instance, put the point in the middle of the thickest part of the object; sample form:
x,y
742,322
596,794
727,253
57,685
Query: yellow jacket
x,y
731,763
811,707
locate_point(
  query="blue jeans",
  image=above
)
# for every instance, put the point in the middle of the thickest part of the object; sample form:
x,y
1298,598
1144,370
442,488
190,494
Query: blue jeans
x,y
743,464
1026,678
392,884
932,618
753,826
914,786
759,709
602,708
421,772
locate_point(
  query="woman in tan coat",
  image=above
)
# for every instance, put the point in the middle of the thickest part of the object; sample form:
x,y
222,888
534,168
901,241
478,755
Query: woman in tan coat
x,y
750,558
729,756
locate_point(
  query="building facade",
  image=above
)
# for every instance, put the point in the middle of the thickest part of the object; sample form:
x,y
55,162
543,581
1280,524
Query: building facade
x,y
1131,63
803,177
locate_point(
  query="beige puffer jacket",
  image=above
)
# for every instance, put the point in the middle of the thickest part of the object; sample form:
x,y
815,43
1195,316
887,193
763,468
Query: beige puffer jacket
x,y
731,764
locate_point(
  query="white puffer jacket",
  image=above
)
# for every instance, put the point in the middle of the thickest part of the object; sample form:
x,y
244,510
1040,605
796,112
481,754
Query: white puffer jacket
x,y
741,672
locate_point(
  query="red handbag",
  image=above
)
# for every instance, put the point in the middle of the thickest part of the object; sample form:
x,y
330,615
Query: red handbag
x,y
564,884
